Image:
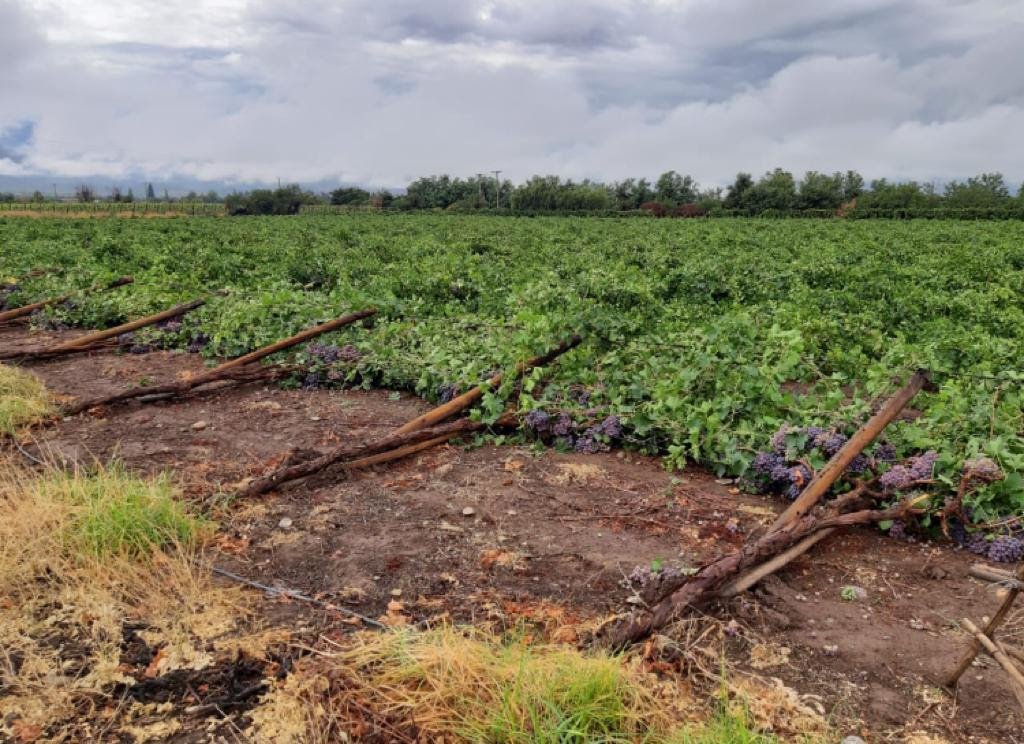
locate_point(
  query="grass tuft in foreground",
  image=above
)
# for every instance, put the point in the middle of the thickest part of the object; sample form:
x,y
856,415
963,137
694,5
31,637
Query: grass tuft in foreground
x,y
23,399
466,685
83,557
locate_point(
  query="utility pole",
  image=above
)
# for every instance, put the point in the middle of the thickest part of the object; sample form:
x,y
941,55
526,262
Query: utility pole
x,y
497,189
54,191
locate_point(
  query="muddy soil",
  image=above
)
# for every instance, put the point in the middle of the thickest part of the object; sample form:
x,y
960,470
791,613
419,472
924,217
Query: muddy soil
x,y
480,533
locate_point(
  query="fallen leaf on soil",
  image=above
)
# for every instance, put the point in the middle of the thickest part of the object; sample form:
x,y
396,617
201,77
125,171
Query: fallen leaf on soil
x,y
502,558
514,464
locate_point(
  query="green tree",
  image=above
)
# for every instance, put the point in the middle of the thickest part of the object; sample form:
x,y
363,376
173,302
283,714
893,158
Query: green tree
x,y
985,190
672,188
150,193
776,191
853,185
736,193
819,191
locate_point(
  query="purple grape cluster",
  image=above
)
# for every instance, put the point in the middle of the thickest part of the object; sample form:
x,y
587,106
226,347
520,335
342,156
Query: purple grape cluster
x,y
898,530
349,353
326,353
588,445
538,421
6,290
1006,549
579,394
977,543
197,343
446,391
913,470
129,343
611,427
171,326
958,533
832,442
563,426
799,477
311,381
885,453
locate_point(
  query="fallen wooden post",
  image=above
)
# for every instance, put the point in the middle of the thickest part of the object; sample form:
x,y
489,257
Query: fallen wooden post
x,y
703,585
219,372
990,628
134,325
995,575
20,312
1016,677
835,467
92,341
360,455
823,481
464,401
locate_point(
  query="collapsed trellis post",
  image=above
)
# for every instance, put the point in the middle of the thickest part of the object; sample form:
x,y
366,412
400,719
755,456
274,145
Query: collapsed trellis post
x,y
835,467
792,534
998,653
418,434
360,455
95,340
21,312
822,482
220,372
990,628
464,401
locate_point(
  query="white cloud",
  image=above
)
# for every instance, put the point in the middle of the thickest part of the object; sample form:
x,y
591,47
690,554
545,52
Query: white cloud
x,y
379,92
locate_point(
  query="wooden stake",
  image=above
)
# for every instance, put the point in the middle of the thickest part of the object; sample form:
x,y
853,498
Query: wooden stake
x,y
1017,679
835,467
20,312
990,628
91,338
362,454
464,401
220,372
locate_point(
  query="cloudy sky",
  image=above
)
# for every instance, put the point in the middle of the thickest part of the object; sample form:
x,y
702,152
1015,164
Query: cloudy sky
x,y
380,91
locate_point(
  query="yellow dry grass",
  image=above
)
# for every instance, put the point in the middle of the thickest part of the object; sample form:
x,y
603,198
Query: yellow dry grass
x,y
23,399
81,555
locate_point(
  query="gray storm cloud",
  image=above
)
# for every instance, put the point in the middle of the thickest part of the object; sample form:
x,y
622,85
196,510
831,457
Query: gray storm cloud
x,y
380,92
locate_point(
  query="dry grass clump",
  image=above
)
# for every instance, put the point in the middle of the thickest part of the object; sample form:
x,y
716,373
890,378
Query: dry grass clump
x,y
467,685
23,399
81,556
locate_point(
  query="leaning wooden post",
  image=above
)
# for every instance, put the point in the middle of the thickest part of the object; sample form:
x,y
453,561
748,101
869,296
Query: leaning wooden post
x,y
990,628
835,467
1016,677
361,454
20,312
221,371
464,401
823,481
134,325
287,343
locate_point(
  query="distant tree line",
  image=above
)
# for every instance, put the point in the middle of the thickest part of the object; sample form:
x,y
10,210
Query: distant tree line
x,y
777,192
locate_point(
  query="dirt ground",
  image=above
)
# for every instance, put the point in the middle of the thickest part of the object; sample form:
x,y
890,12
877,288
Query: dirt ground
x,y
481,533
